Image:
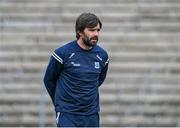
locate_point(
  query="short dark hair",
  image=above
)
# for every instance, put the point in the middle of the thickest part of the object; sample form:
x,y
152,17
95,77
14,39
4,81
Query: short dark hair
x,y
86,20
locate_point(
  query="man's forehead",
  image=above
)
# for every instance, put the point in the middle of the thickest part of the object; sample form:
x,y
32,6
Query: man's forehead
x,y
96,27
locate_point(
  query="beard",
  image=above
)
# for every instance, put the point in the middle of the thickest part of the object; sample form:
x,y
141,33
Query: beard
x,y
90,42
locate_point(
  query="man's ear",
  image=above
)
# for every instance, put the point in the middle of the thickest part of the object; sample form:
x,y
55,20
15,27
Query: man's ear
x,y
80,33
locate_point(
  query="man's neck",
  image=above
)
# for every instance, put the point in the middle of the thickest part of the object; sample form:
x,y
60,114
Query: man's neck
x,y
83,46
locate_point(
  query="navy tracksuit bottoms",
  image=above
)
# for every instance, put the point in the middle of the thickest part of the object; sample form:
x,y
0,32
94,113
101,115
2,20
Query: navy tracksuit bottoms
x,y
75,120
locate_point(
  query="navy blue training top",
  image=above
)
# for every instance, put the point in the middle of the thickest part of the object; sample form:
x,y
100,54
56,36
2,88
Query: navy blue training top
x,y
73,76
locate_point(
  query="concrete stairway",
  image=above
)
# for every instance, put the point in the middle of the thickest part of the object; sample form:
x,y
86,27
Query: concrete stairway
x,y
142,37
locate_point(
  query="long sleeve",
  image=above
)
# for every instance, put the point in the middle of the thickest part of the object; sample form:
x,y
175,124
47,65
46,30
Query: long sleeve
x,y
103,73
52,73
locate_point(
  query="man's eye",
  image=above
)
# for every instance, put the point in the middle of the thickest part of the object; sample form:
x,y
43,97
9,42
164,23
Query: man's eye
x,y
91,30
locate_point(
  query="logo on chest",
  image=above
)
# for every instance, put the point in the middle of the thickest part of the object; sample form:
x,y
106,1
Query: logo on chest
x,y
75,64
96,65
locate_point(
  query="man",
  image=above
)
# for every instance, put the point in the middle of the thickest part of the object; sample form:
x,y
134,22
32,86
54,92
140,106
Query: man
x,y
74,74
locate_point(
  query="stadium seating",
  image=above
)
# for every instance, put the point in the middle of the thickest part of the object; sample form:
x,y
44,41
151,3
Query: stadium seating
x,y
141,36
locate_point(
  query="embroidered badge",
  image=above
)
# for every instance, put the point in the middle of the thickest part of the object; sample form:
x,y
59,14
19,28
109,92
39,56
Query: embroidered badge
x,y
96,65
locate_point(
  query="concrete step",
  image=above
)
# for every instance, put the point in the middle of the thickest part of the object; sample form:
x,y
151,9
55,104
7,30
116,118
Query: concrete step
x,y
139,88
17,46
147,111
107,27
135,68
135,88
113,119
70,25
24,98
108,17
151,78
109,34
122,57
26,109
22,57
25,121
129,99
145,65
22,88
90,2
66,29
22,67
139,121
65,1
27,98
108,120
147,79
105,37
54,8
7,45
67,16
55,29
121,50
20,77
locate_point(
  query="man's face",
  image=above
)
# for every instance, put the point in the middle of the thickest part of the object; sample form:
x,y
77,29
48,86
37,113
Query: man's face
x,y
90,36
